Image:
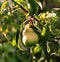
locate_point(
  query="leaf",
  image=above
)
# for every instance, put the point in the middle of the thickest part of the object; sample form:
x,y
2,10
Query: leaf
x,y
45,33
3,37
54,46
1,48
32,6
37,49
0,4
4,5
18,1
40,8
8,47
0,28
20,44
14,41
19,15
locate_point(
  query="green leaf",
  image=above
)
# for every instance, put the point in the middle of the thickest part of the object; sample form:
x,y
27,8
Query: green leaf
x,y
8,47
54,46
4,5
37,49
32,6
19,15
20,44
14,41
1,48
0,4
45,33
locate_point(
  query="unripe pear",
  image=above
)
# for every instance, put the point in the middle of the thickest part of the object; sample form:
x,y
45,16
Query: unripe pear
x,y
29,38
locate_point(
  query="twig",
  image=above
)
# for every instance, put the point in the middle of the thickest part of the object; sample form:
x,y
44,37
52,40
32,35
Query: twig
x,y
24,10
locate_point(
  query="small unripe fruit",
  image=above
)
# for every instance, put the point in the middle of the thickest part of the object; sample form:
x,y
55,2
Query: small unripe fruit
x,y
29,38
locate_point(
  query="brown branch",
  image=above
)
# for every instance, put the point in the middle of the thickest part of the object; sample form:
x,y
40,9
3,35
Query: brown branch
x,y
24,10
35,18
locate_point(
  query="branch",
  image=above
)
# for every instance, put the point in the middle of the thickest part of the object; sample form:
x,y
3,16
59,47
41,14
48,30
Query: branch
x,y
24,10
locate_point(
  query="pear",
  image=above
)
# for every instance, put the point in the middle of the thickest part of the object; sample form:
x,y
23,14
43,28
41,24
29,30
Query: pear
x,y
29,37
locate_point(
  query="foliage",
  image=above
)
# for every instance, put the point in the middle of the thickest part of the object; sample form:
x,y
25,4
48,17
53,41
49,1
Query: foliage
x,y
14,16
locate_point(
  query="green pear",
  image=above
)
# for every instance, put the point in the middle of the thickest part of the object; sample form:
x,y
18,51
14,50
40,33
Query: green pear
x,y
29,38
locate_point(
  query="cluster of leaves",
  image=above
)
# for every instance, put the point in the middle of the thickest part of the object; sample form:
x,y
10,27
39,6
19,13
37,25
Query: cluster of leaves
x,y
14,15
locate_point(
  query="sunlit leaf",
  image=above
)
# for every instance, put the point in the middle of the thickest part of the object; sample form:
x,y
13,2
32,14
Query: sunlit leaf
x,y
18,1
43,31
4,5
14,41
0,28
